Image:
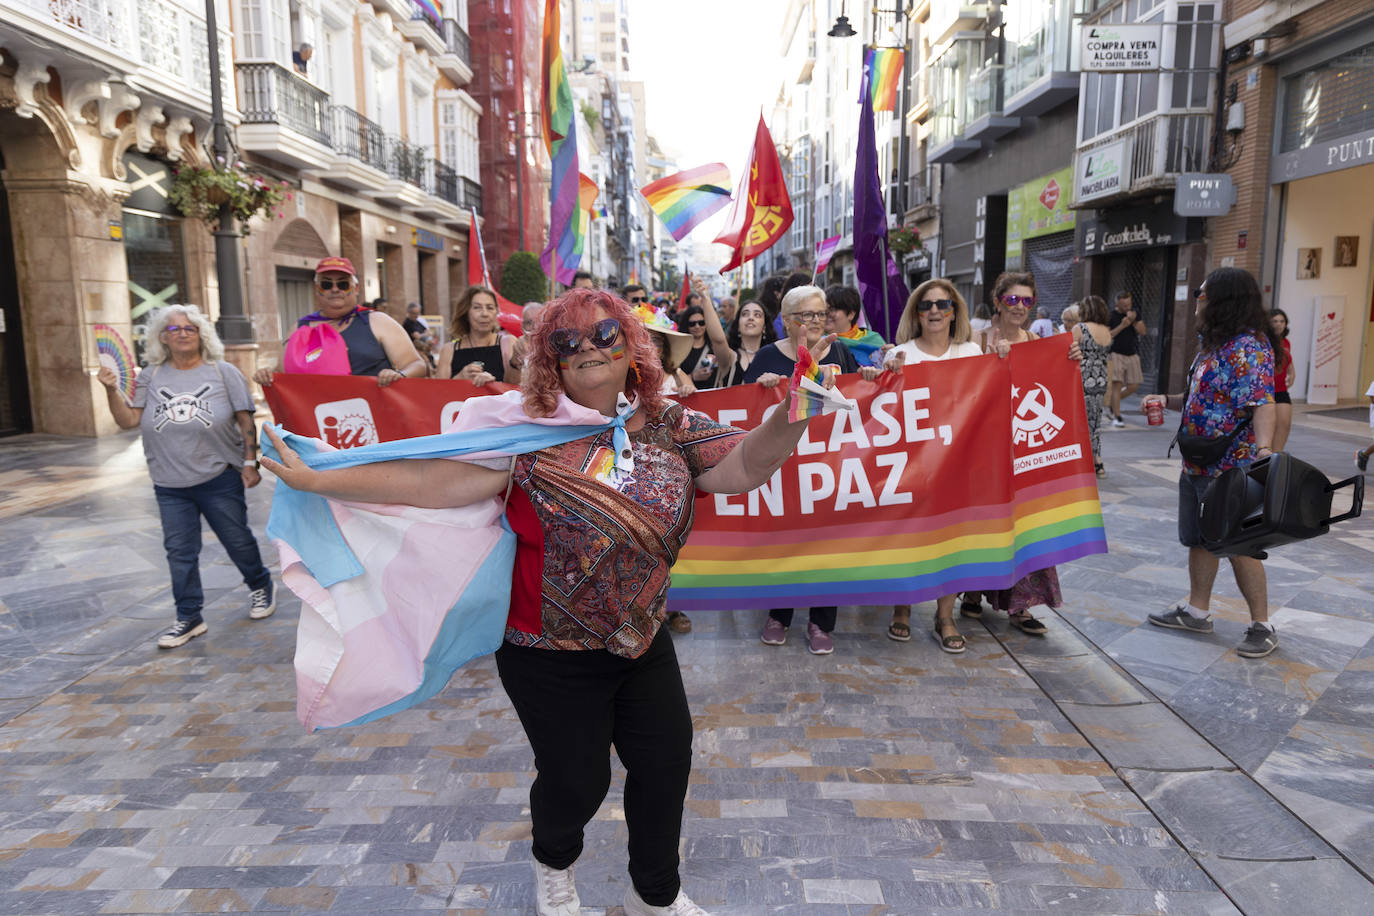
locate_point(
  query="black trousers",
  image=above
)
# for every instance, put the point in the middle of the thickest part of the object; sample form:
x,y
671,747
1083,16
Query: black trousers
x,y
574,705
823,617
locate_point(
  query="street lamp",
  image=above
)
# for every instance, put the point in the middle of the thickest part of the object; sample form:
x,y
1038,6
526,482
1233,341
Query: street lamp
x,y
841,28
233,325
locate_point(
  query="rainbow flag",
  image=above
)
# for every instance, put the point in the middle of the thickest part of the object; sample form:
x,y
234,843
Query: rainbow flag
x,y
429,9
684,200
884,66
567,221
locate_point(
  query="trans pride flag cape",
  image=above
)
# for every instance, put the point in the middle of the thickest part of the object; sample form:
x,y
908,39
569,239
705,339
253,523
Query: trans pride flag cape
x,y
395,598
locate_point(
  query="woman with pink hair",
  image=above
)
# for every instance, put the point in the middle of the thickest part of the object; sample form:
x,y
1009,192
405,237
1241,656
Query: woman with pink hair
x,y
595,667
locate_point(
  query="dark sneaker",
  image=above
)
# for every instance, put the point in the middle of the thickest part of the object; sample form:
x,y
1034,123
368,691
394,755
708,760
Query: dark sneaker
x,y
1177,618
1362,461
774,633
1027,624
1259,641
182,632
818,642
263,602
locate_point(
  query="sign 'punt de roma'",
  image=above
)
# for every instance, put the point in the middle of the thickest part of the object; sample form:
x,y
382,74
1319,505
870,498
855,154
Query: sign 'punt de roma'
x,y
966,474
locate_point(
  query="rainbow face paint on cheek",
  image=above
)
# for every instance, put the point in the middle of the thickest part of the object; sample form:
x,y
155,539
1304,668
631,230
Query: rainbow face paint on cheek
x,y
617,349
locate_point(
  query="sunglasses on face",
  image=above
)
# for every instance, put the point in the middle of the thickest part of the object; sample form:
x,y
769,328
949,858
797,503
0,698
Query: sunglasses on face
x,y
1200,293
182,329
944,305
1014,301
634,299
567,341
696,324
342,286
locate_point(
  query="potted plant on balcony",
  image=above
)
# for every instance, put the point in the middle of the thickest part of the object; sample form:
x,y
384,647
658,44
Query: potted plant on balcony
x,y
200,192
902,240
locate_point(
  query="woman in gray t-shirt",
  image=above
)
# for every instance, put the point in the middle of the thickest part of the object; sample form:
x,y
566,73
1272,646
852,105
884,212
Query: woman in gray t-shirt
x,y
196,415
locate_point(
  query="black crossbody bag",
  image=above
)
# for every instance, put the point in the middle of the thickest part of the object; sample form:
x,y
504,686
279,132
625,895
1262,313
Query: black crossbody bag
x,y
1203,451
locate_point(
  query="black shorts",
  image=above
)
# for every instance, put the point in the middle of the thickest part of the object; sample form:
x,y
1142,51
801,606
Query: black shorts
x,y
1191,487
1282,397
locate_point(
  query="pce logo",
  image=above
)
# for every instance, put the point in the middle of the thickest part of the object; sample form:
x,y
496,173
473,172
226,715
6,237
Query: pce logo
x,y
1033,420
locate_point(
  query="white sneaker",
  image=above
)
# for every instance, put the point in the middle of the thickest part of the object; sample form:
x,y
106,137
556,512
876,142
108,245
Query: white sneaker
x,y
555,894
1118,422
682,906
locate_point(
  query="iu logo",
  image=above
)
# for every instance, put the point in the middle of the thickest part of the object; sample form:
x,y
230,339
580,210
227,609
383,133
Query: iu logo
x,y
346,424
1050,196
1034,422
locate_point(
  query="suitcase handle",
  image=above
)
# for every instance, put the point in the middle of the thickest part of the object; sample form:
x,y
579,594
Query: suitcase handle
x,y
1356,501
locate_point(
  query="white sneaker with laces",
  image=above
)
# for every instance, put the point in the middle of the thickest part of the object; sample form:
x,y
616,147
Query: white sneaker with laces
x,y
555,894
681,906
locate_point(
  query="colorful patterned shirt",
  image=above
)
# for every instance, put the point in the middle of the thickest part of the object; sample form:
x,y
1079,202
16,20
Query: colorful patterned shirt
x,y
1225,383
607,563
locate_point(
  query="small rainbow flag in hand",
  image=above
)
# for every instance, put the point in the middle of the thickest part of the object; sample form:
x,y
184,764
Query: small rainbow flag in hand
x,y
684,200
810,397
884,66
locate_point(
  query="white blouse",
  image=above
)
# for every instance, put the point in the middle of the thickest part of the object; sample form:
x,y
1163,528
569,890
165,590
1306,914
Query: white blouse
x,y
915,354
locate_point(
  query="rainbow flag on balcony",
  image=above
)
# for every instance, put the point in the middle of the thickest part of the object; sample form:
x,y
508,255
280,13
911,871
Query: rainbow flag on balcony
x,y
884,66
686,199
429,9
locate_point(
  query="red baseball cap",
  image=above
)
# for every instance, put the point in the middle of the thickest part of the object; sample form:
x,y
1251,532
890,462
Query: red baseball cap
x,y
336,265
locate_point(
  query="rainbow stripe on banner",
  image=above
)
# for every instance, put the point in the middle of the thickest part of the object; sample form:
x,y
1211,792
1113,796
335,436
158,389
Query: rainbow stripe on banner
x,y
884,66
975,548
683,201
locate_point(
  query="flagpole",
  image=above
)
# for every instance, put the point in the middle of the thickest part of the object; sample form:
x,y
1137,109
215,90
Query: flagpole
x,y
887,313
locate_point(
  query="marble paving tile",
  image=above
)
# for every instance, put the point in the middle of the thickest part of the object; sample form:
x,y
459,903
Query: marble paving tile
x,y
1148,736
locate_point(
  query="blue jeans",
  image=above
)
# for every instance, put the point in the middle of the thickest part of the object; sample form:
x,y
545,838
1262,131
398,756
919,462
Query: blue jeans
x,y
221,501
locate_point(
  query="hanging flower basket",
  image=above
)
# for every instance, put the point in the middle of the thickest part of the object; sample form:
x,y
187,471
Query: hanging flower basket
x,y
903,240
200,192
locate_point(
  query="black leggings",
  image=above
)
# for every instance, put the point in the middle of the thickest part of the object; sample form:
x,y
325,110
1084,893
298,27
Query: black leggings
x,y
574,705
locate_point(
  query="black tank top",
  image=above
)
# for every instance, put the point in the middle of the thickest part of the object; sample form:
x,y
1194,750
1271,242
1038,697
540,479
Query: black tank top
x,y
365,353
489,357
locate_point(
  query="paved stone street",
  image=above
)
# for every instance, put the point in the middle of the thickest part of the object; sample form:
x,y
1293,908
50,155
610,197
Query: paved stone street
x,y
1112,767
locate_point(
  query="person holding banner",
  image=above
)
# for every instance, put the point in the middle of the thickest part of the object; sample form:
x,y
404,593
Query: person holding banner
x,y
481,352
595,667
375,342
1013,296
802,315
195,412
934,326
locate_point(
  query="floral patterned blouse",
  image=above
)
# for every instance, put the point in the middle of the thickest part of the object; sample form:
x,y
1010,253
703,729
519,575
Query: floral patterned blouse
x,y
607,559
1225,383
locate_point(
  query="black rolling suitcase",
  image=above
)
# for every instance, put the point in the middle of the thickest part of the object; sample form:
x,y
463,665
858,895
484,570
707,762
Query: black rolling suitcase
x,y
1274,501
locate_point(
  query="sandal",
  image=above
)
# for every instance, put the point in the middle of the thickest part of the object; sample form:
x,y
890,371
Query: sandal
x,y
971,609
1101,471
951,644
1027,624
899,631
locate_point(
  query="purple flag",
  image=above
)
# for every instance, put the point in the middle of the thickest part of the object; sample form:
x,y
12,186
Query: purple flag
x,y
874,266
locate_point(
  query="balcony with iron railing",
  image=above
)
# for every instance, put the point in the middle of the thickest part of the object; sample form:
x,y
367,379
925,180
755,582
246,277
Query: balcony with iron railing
x,y
284,116
472,195
421,30
455,60
1157,149
161,44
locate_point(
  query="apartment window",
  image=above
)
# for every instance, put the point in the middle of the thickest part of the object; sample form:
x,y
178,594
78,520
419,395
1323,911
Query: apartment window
x,y
266,30
1329,100
1038,41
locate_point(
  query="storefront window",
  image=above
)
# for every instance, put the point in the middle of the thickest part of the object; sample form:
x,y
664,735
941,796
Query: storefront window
x,y
1330,100
156,258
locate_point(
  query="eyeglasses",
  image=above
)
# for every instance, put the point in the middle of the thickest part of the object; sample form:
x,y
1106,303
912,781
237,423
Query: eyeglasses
x,y
808,317
696,324
944,305
1199,293
342,286
181,329
1014,301
567,341
633,299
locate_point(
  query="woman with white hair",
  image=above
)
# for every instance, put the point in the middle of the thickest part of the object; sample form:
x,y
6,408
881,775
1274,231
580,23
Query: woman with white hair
x,y
803,316
196,414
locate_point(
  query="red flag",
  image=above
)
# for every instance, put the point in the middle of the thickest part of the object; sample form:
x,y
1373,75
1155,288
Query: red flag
x,y
761,211
478,275
686,290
